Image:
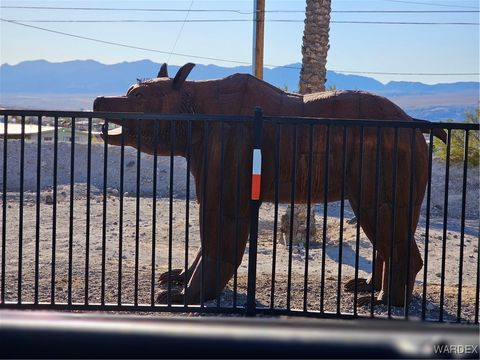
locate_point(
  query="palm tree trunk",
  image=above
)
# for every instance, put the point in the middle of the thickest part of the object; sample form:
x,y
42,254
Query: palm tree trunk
x,y
315,46
312,79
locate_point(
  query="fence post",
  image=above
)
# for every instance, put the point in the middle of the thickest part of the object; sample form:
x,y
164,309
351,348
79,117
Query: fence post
x,y
254,207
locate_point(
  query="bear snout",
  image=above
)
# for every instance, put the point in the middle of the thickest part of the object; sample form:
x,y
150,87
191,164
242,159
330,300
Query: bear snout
x,y
98,103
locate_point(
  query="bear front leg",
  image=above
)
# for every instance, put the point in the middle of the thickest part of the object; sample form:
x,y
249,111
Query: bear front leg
x,y
365,285
214,269
178,276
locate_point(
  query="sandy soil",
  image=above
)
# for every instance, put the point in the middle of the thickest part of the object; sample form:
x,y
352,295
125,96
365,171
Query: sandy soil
x,y
127,231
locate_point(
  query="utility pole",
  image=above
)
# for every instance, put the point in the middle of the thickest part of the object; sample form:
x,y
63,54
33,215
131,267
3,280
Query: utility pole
x,y
258,34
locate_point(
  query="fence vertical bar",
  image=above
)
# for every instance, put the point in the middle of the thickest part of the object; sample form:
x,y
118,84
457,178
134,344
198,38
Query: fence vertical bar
x,y
325,216
87,219
427,224
292,212
376,206
359,220
477,286
154,212
445,224
54,209
204,210
221,215
275,215
254,210
120,220
187,208
309,209
4,206
394,215
137,214
104,213
20,219
37,210
170,211
239,159
411,236
342,216
70,227
462,226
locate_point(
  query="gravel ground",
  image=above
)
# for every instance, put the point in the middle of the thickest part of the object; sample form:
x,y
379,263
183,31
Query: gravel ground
x,y
127,230
265,257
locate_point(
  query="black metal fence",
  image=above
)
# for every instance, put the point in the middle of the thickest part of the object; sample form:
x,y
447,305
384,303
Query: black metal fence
x,y
87,225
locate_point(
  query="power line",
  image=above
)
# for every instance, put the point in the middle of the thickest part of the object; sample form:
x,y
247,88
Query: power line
x,y
123,45
405,73
240,11
405,11
430,4
403,23
181,30
225,60
124,9
237,20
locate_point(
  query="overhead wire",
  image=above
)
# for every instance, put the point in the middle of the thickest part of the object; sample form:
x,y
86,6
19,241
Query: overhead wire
x,y
431,4
221,59
180,32
123,9
123,45
404,23
240,12
239,20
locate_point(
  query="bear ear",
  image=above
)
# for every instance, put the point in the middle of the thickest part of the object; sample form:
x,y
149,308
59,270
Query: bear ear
x,y
182,75
163,71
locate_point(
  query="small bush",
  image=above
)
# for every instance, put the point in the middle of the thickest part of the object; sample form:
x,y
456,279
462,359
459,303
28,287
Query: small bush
x,y
457,143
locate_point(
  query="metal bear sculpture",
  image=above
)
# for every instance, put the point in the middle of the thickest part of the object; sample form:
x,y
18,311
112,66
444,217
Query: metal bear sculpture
x,y
225,227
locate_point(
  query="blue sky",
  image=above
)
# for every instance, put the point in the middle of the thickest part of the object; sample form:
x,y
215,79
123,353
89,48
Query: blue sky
x,y
387,48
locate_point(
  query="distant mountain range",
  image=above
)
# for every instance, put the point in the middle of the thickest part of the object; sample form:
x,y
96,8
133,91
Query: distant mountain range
x,y
32,84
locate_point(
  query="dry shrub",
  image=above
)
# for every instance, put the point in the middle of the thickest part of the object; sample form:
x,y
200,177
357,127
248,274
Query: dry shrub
x,y
457,144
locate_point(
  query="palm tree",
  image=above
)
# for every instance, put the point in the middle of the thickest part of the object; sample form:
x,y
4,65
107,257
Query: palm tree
x,y
312,79
315,46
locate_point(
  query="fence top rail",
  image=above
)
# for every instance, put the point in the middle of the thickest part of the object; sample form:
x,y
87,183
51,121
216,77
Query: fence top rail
x,y
125,115
422,124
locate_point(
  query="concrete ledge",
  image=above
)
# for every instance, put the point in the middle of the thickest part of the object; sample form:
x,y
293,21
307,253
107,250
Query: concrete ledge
x,y
48,334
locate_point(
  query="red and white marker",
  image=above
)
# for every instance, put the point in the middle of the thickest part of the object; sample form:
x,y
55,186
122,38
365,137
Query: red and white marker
x,y
256,173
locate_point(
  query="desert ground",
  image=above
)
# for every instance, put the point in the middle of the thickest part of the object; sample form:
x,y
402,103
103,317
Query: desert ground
x,y
70,225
